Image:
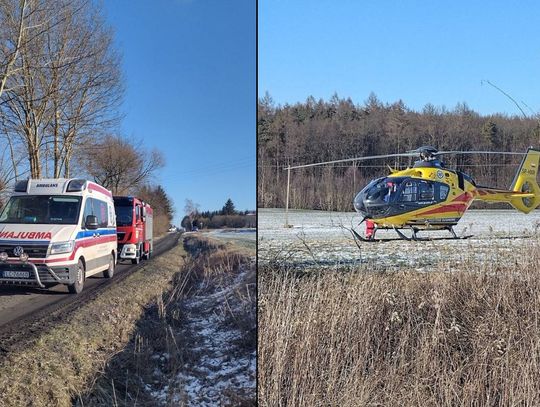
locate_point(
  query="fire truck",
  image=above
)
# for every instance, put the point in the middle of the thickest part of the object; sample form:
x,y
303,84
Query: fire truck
x,y
134,219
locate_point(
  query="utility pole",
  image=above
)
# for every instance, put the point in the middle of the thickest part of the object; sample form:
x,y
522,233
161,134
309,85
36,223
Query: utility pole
x,y
354,175
287,202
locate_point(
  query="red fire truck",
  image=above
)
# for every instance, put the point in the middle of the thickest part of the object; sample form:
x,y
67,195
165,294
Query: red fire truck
x,y
134,228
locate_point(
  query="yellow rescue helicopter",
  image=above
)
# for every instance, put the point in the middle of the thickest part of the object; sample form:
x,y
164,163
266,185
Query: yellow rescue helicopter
x,y
430,196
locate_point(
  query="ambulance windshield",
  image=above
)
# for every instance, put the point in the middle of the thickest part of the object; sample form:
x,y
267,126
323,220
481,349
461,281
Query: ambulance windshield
x,y
42,209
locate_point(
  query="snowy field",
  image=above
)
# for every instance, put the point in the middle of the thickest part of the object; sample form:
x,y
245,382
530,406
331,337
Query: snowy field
x,y
317,238
243,237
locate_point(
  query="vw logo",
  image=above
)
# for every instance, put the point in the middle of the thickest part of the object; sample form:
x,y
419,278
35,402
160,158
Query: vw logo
x,y
18,250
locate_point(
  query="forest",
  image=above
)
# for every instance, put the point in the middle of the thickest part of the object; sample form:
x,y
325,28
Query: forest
x,y
318,131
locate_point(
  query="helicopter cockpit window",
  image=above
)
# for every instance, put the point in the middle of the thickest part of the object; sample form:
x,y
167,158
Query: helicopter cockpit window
x,y
443,192
409,192
426,191
383,190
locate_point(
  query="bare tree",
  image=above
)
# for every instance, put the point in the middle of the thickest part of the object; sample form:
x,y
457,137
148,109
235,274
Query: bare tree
x,y
122,165
13,29
191,208
64,85
87,86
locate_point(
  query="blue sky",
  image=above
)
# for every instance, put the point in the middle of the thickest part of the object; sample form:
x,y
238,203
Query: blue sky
x,y
189,70
418,51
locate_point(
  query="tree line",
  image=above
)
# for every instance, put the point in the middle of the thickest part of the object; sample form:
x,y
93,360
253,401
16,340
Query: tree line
x,y
61,89
318,131
227,217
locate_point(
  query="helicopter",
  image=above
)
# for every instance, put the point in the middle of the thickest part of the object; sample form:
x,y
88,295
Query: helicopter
x,y
431,197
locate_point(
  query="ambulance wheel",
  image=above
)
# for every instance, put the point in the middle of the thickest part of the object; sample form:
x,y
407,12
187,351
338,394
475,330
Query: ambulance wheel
x,y
110,271
77,286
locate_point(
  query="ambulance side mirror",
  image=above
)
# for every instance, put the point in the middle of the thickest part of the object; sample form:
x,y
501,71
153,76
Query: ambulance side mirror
x,y
144,213
91,222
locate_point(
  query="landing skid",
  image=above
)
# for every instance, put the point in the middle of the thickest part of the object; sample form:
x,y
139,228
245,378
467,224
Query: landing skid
x,y
414,237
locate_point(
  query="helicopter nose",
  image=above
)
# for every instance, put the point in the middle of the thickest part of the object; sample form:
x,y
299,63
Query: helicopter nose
x,y
359,204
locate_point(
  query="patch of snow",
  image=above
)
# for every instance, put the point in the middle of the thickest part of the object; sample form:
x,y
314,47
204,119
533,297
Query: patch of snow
x,y
216,364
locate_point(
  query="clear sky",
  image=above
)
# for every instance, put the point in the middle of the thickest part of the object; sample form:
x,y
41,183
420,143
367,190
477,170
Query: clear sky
x,y
418,51
190,75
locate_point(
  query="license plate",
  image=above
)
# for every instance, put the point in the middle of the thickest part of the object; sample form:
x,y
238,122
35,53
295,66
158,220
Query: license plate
x,y
16,274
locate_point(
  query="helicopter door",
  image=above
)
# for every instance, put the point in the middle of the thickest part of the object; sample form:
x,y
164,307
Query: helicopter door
x,y
426,192
417,193
409,191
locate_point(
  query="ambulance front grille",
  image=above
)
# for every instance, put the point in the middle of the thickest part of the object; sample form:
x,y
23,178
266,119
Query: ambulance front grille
x,y
33,251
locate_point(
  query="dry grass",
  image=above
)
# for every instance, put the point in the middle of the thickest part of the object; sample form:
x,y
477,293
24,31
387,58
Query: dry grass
x,y
357,337
162,349
61,363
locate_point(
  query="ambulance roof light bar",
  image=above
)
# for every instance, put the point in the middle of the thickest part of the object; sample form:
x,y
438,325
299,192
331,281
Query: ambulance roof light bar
x,y
21,186
76,185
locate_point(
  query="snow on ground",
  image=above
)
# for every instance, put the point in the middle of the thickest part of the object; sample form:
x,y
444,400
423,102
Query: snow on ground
x,y
247,234
217,368
243,237
318,238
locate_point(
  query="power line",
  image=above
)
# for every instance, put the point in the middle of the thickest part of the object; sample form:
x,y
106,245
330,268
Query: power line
x,y
386,166
217,168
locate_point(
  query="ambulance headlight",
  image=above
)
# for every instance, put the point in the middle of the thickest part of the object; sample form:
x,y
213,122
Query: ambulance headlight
x,y
3,256
62,247
23,257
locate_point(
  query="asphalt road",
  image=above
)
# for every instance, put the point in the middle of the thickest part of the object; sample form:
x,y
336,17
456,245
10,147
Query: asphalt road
x,y
22,304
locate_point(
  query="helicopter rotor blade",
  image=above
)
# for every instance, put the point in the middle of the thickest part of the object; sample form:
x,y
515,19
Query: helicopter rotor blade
x,y
477,152
411,153
372,157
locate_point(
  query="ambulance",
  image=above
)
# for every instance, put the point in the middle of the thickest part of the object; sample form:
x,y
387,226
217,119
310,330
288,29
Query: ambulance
x,y
57,231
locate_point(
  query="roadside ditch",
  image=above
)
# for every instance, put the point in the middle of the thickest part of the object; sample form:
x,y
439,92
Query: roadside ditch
x,y
195,345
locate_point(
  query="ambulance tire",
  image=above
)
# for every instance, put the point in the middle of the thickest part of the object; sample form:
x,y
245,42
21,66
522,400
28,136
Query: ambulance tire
x,y
109,273
78,285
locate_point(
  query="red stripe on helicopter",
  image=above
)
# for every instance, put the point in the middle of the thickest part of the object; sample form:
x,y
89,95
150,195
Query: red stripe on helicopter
x,y
458,207
458,204
492,191
465,197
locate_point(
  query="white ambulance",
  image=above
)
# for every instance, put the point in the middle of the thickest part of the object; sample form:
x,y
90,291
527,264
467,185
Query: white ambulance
x,y
57,231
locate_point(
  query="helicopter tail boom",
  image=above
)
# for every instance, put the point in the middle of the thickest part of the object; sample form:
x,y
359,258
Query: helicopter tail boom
x,y
525,183
524,193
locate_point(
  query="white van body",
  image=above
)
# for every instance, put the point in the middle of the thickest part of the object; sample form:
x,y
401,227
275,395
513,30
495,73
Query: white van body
x,y
45,236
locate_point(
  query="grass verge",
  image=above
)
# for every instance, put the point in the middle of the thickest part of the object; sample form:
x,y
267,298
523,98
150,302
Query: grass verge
x,y
62,361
